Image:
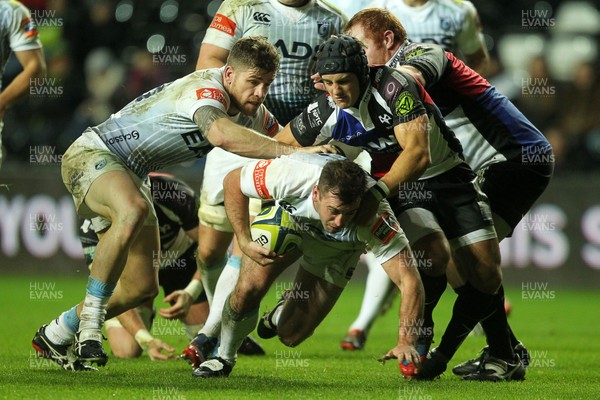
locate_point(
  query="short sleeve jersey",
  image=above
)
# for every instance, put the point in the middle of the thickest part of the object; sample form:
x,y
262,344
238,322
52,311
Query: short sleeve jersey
x,y
18,31
391,98
295,31
279,179
157,129
452,24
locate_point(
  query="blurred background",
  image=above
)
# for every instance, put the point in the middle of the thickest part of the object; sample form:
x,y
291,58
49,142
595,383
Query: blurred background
x,y
101,54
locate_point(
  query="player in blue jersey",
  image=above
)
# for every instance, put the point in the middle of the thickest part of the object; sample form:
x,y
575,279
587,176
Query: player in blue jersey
x,y
498,141
106,172
388,113
321,202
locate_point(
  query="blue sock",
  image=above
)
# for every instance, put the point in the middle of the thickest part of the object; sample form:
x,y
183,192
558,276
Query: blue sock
x,y
71,319
100,289
235,261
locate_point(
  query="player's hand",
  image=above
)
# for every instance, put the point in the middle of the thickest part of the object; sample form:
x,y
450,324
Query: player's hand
x,y
325,148
316,77
259,254
368,208
183,302
155,351
404,353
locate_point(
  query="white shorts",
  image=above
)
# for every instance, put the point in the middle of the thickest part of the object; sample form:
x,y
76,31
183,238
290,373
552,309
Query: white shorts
x,y
86,160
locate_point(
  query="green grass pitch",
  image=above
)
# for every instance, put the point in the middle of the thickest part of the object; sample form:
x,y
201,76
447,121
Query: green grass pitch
x,y
562,331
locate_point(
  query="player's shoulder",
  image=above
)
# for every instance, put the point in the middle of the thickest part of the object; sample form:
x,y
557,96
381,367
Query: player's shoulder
x,y
330,8
388,81
462,7
413,50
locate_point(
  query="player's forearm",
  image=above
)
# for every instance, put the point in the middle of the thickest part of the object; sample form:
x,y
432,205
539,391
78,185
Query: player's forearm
x,y
133,324
411,309
21,84
403,272
236,207
408,167
245,142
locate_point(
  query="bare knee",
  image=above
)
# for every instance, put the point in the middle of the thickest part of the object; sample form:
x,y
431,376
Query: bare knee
x,y
129,221
127,352
291,337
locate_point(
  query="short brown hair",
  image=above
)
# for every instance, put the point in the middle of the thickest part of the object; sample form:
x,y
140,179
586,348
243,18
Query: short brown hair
x,y
343,178
254,52
375,21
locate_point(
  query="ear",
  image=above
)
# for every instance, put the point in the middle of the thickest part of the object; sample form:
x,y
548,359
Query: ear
x,y
315,193
388,39
228,73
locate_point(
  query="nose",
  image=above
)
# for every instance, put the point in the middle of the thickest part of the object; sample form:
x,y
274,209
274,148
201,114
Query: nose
x,y
338,221
261,91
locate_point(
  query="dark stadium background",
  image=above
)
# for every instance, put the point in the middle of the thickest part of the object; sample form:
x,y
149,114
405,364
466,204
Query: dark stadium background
x,y
102,54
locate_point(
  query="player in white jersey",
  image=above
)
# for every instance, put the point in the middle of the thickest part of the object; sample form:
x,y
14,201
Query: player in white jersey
x,y
295,28
105,171
321,202
18,33
452,24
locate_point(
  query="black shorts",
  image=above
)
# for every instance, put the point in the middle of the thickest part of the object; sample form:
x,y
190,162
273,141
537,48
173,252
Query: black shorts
x,y
512,188
454,200
177,275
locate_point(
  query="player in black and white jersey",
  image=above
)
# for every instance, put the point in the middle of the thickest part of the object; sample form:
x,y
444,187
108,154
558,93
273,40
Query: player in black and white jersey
x,y
321,202
499,143
452,24
105,170
379,109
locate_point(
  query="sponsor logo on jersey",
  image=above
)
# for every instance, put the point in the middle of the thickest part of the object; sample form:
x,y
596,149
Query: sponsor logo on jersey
x,y
211,93
271,126
323,28
314,119
100,164
133,135
385,228
299,123
262,18
221,23
405,104
29,28
260,176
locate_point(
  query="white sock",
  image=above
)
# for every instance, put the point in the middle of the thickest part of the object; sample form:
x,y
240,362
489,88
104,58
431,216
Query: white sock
x,y
93,312
234,330
378,284
58,332
224,287
210,276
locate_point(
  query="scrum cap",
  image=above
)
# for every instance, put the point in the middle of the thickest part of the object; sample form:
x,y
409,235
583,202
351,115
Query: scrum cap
x,y
343,53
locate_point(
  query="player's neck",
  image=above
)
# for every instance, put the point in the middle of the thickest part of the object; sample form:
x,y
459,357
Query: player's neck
x,y
415,3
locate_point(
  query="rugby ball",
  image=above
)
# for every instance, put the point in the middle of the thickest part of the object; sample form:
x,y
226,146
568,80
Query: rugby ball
x,y
273,229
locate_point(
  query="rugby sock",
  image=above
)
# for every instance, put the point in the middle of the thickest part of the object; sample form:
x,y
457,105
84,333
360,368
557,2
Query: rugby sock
x,y
493,321
470,307
62,330
496,329
434,288
192,330
377,287
224,287
234,330
94,305
210,275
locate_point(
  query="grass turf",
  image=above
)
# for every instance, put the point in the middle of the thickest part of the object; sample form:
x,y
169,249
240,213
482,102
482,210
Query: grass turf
x,y
560,331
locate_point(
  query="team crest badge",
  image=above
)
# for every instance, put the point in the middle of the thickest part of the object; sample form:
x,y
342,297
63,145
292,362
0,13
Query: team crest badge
x,y
405,104
324,27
